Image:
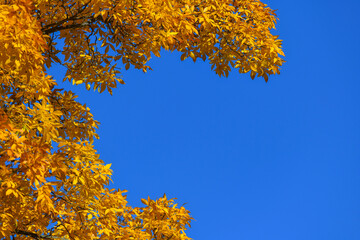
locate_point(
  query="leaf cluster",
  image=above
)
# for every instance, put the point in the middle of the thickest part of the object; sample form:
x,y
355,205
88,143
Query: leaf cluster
x,y
53,185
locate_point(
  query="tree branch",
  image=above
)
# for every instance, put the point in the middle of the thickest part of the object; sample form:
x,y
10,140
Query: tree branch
x,y
31,234
59,28
37,236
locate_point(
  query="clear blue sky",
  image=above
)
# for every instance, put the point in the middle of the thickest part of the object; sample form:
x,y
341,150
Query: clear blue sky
x,y
253,160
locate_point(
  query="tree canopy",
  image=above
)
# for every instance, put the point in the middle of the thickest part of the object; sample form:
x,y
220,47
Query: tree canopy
x,y
53,185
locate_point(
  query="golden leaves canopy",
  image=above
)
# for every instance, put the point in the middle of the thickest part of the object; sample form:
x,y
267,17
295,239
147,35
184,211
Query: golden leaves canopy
x,y
53,185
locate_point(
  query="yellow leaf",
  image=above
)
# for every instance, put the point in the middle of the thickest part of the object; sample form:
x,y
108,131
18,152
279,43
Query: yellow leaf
x,y
107,166
144,201
8,192
252,75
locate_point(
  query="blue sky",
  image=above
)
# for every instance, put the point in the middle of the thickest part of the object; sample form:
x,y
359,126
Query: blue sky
x,y
252,160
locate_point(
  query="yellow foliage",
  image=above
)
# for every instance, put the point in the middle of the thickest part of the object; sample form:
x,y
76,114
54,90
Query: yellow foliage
x,y
52,183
